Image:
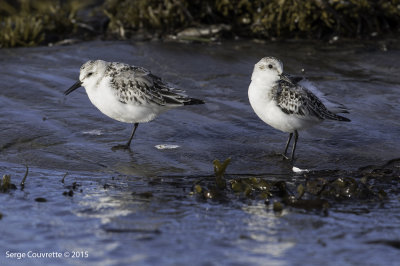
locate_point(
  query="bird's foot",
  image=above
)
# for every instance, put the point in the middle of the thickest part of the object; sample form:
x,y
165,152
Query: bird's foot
x,y
284,157
121,147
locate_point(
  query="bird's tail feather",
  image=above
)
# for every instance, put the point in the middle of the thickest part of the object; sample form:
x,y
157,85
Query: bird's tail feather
x,y
192,101
336,117
342,118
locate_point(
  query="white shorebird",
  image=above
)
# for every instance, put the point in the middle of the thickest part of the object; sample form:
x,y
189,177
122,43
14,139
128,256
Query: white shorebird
x,y
127,93
288,103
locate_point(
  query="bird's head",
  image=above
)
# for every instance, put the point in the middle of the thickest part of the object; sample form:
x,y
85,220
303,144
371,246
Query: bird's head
x,y
268,68
90,73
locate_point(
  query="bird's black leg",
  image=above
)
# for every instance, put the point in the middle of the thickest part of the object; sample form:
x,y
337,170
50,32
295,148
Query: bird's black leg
x,y
296,137
287,145
128,144
133,133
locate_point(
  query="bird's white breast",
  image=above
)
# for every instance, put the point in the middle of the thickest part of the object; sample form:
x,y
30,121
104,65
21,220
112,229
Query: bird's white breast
x,y
266,108
103,96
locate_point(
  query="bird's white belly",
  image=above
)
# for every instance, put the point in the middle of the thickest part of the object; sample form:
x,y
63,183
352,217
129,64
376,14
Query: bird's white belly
x,y
129,112
269,112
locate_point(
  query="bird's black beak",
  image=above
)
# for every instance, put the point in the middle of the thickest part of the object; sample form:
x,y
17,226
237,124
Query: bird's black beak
x,y
73,87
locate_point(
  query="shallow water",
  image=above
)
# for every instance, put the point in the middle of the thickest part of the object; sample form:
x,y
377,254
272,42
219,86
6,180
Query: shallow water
x,y
136,208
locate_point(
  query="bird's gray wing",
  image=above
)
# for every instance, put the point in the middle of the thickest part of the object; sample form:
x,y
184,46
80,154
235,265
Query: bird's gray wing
x,y
296,100
291,78
332,106
138,85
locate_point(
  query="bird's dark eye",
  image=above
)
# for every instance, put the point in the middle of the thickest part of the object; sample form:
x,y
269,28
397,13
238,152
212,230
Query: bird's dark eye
x,y
269,66
89,74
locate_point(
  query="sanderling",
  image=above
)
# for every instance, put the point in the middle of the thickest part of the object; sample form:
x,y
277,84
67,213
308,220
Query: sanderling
x,y
127,93
288,103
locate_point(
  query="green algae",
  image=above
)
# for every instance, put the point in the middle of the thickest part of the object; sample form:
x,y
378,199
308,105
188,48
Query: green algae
x,y
215,190
314,191
5,184
30,23
219,171
277,207
260,18
21,31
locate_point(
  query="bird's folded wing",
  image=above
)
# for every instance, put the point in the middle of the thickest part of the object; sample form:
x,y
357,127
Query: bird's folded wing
x,y
332,106
138,85
296,100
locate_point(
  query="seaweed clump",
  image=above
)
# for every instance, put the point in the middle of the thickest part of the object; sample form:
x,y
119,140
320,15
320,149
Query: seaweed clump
x,y
31,23
216,189
5,184
259,18
314,191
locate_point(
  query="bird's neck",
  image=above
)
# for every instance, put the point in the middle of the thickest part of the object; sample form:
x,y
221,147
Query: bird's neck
x,y
264,83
